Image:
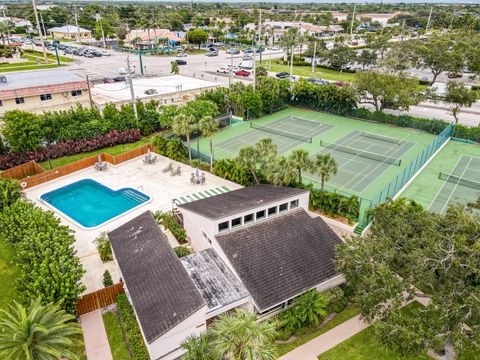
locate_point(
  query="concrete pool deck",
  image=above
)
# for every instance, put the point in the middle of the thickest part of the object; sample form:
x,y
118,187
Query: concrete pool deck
x,y
149,179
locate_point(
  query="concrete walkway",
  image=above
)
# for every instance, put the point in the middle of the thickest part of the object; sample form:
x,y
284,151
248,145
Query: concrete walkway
x,y
95,336
326,341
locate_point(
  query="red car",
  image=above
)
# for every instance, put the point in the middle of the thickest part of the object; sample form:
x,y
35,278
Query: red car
x,y
340,83
242,73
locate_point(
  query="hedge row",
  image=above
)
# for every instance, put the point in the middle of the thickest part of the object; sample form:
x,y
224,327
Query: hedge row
x,y
44,254
168,221
69,147
131,327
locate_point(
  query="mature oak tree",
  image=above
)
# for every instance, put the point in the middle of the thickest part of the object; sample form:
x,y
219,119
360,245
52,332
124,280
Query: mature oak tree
x,y
408,249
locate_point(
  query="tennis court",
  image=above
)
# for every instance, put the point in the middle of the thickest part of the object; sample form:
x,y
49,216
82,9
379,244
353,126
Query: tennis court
x,y
362,157
287,133
461,185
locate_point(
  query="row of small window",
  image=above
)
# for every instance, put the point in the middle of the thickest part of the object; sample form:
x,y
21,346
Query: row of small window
x,y
259,215
43,97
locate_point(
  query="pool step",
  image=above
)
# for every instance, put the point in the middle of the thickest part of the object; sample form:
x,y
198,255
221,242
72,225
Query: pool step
x,y
134,196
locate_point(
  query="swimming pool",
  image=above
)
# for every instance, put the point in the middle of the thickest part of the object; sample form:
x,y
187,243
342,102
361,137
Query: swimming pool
x,y
91,204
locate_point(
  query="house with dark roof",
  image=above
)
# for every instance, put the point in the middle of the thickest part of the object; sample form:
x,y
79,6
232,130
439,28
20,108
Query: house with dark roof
x,y
256,248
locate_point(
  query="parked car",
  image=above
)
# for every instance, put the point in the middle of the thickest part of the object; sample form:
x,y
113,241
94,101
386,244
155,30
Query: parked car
x,y
340,83
104,53
181,62
282,75
242,73
233,51
224,69
454,75
108,80
317,81
354,43
124,71
181,54
248,51
212,53
274,48
119,79
247,57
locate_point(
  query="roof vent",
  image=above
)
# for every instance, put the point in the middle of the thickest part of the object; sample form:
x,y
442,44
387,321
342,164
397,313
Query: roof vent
x,y
3,79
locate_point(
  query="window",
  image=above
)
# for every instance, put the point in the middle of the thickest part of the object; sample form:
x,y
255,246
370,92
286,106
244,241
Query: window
x,y
223,226
293,204
248,218
206,238
283,207
19,100
45,97
236,222
260,214
272,211
76,92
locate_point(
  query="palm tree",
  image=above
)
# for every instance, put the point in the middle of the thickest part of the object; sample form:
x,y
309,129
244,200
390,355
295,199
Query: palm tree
x,y
310,308
248,157
238,336
301,160
197,347
208,127
326,167
175,68
183,124
38,332
282,171
5,27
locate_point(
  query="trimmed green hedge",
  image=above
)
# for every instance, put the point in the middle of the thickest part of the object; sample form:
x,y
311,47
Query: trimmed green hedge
x,y
130,324
168,221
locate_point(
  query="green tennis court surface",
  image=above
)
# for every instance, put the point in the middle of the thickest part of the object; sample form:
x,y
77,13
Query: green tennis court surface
x,y
452,177
362,158
371,155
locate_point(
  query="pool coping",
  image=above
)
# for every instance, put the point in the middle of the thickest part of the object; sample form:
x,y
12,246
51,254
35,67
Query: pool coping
x,y
76,223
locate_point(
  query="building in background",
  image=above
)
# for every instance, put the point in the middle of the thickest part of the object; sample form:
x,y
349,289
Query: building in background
x,y
152,38
42,90
70,32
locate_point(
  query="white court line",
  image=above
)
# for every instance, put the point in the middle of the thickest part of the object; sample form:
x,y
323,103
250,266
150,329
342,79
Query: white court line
x,y
456,185
445,183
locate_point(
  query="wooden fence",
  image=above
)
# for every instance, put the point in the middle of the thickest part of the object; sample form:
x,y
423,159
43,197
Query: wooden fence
x,y
24,171
99,299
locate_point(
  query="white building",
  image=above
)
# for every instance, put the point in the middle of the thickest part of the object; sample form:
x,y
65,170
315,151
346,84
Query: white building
x,y
257,248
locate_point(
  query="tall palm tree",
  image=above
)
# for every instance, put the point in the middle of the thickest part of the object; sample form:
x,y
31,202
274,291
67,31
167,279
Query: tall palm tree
x,y
208,127
197,348
5,27
238,336
248,157
326,167
282,171
38,332
301,160
184,124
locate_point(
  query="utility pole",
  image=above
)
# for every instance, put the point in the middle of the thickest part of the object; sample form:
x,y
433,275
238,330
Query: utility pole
x,y
291,62
401,33
45,58
76,22
260,33
99,18
89,92
230,78
429,19
132,92
43,24
254,68
353,19
314,56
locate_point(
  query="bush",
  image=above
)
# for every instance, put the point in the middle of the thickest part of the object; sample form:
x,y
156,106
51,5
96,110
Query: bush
x,y
10,191
103,247
69,147
107,279
169,222
335,204
45,256
182,251
231,170
172,148
130,324
336,300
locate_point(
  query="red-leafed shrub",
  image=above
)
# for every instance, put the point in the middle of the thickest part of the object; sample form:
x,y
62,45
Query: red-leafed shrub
x,y
70,147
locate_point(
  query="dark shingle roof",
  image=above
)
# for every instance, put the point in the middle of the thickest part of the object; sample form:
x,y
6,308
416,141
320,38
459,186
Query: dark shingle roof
x,y
239,200
282,257
160,289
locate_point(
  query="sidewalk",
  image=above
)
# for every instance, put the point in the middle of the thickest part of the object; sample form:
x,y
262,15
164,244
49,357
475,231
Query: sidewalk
x,y
326,341
95,336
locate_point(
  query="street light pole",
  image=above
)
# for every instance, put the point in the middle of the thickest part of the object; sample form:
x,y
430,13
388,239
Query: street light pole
x,y
314,56
132,92
45,58
353,19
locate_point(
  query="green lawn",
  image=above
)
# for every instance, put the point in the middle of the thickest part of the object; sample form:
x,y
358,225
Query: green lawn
x,y
326,74
114,150
8,274
341,317
115,337
27,67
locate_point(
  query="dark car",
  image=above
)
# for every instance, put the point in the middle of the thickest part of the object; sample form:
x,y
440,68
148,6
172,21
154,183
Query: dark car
x,y
454,75
181,62
108,80
242,73
282,75
119,79
248,51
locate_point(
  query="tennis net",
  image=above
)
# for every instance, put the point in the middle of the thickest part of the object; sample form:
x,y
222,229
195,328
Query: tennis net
x,y
362,153
381,137
281,132
459,180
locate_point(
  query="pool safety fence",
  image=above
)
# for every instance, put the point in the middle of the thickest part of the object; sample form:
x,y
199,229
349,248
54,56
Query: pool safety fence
x,y
41,175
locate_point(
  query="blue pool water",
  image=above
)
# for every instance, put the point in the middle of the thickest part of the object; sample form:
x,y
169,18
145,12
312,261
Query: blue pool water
x,y
91,204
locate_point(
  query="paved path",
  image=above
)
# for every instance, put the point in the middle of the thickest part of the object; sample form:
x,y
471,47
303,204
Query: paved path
x,y
95,336
326,341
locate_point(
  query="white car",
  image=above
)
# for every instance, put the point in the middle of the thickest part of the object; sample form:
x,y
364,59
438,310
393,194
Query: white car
x,y
247,57
224,69
181,54
124,71
105,53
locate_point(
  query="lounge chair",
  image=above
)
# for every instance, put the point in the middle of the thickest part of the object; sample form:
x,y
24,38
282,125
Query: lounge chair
x,y
149,159
192,179
168,168
101,165
202,178
175,172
